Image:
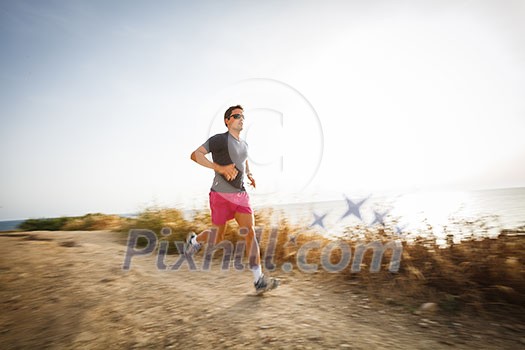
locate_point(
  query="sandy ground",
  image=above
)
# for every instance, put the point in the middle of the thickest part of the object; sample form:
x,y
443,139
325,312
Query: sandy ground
x,y
65,290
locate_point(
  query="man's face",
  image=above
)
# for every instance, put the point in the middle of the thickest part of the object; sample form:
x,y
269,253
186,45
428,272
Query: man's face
x,y
236,124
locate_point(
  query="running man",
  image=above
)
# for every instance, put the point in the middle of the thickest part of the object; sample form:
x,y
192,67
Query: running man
x,y
228,197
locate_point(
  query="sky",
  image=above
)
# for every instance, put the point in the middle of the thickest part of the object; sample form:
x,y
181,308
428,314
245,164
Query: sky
x,y
102,102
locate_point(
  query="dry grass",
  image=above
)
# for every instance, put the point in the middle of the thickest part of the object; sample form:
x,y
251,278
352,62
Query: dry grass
x,y
93,222
481,274
478,273
484,274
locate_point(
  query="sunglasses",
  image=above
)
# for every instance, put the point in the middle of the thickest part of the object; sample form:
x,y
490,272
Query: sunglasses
x,y
237,116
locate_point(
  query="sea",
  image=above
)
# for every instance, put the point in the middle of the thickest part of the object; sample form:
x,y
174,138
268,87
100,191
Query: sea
x,y
460,214
8,225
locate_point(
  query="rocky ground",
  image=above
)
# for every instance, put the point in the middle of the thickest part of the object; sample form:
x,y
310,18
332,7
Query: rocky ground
x,y
64,290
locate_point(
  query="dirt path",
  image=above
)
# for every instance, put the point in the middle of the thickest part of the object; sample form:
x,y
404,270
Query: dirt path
x,y
68,290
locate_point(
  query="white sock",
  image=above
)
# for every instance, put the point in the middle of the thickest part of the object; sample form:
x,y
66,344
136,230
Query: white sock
x,y
257,273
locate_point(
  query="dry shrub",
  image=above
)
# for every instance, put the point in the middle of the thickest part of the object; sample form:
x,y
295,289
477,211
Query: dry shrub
x,y
282,240
479,273
93,222
88,222
156,219
487,271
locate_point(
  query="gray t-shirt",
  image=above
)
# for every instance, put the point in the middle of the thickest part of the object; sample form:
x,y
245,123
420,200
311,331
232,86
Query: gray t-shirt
x,y
226,149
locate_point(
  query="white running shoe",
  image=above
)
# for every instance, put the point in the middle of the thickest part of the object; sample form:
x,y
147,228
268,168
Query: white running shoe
x,y
265,284
192,246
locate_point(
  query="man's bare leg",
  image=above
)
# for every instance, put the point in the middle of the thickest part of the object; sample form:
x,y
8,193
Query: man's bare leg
x,y
253,252
204,235
261,282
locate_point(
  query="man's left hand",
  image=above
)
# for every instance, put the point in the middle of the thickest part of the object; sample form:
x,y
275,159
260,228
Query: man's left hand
x,y
252,181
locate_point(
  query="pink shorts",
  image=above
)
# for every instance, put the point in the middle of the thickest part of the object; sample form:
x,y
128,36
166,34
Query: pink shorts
x,y
224,206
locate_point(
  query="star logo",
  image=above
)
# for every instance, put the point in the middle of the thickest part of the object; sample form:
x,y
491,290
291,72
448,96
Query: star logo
x,y
399,229
292,240
379,218
353,208
318,220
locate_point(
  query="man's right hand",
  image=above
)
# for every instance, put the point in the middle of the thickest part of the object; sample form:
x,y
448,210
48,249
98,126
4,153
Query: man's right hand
x,y
228,171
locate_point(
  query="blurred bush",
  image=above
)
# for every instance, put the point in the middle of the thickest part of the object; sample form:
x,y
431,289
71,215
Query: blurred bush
x,y
88,222
48,224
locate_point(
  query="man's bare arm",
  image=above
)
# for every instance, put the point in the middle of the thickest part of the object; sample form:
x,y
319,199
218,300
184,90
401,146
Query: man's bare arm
x,y
249,175
199,156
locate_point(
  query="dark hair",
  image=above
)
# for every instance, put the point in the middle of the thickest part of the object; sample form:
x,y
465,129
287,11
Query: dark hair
x,y
228,112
